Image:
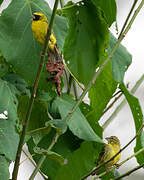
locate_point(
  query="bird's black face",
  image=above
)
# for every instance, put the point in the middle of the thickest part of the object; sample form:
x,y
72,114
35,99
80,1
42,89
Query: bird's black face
x,y
36,17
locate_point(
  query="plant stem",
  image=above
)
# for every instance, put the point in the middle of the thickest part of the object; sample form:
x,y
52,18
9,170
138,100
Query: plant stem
x,y
97,73
104,163
71,6
120,106
43,157
128,17
29,157
129,172
62,3
29,110
127,159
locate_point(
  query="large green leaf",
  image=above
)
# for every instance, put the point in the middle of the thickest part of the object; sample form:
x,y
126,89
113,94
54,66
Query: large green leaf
x,y
102,91
17,43
78,124
86,40
65,144
138,120
4,170
79,162
8,136
120,60
109,9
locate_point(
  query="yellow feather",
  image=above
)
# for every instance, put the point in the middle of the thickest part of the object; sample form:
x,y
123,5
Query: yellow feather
x,y
39,29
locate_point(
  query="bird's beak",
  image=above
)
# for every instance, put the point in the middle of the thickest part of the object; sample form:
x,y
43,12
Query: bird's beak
x,y
33,17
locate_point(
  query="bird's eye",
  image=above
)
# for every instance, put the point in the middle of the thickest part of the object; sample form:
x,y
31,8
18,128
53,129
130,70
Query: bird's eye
x,y
36,17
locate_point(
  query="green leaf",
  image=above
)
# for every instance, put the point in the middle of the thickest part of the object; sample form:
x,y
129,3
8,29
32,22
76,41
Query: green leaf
x,y
77,123
17,43
36,127
86,40
17,84
8,137
120,60
109,9
90,115
4,168
50,154
65,144
102,91
79,162
138,120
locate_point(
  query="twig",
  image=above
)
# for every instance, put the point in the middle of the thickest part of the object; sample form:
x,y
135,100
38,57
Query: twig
x,y
62,3
97,73
115,100
73,77
128,17
104,163
29,158
120,164
43,157
130,172
120,106
29,110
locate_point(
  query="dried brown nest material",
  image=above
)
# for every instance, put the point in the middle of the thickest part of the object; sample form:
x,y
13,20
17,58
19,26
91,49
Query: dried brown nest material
x,y
55,67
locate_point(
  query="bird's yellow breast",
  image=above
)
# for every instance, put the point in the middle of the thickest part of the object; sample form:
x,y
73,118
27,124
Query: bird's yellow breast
x,y
111,151
39,29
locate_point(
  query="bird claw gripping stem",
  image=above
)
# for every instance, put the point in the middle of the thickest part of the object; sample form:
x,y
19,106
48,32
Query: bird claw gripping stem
x,y
55,67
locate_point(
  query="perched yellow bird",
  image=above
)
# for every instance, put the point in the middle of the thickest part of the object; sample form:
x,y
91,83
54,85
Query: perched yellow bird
x,y
109,150
39,29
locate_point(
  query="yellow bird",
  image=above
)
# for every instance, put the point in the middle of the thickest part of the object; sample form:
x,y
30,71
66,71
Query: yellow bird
x,y
39,29
109,150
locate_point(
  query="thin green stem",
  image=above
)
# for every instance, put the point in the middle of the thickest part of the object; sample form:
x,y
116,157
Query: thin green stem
x,y
121,105
104,163
29,110
43,157
29,157
120,164
62,3
128,17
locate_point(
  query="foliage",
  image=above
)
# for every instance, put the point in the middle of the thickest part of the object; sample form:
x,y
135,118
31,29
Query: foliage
x,y
84,39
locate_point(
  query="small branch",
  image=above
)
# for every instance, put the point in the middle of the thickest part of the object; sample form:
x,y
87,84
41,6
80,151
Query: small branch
x,y
120,164
29,158
43,157
130,172
128,17
29,110
115,100
62,3
73,77
104,163
120,106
